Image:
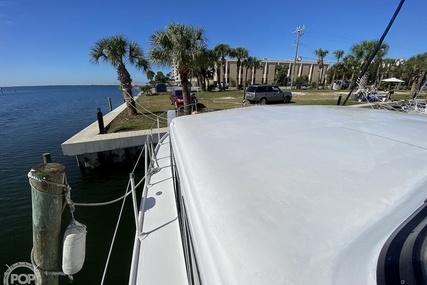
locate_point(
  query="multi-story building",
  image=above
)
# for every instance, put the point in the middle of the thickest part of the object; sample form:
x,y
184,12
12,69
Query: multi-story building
x,y
266,74
175,74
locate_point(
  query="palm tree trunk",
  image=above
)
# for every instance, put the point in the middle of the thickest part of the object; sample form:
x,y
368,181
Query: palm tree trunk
x,y
418,81
254,77
126,85
244,84
322,79
238,73
219,75
130,102
423,78
414,86
223,73
377,76
185,93
203,83
333,79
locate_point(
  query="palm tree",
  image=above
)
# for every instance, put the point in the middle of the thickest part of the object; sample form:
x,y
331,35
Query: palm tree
x,y
239,53
221,51
418,67
119,51
320,56
256,64
246,63
249,66
160,77
388,66
204,67
150,75
281,74
178,44
363,51
250,63
351,66
338,55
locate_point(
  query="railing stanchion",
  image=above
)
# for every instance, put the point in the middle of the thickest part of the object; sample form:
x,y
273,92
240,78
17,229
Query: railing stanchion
x,y
158,130
135,207
145,190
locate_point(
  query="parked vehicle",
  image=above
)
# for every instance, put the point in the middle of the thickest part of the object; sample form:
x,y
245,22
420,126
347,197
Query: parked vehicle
x,y
267,93
177,99
343,83
160,87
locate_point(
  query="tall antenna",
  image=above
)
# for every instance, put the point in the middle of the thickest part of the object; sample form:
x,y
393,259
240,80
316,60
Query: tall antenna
x,y
300,32
380,42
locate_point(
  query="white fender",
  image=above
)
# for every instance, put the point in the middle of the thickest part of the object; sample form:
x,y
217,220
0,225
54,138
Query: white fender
x,y
74,250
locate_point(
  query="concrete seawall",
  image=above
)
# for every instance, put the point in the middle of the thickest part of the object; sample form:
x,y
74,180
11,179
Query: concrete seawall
x,y
92,149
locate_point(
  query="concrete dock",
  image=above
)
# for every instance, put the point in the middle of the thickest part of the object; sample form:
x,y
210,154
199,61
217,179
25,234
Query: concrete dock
x,y
92,149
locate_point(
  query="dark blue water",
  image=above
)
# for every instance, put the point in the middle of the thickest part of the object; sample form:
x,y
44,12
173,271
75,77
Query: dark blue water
x,y
35,120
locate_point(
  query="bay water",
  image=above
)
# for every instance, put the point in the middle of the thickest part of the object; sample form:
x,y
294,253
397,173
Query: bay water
x,y
35,120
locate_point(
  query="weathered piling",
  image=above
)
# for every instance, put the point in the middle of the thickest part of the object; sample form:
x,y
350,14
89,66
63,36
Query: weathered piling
x,y
47,189
339,100
46,158
110,104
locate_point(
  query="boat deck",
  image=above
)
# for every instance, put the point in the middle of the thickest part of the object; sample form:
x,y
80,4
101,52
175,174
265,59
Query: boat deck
x,y
300,195
158,255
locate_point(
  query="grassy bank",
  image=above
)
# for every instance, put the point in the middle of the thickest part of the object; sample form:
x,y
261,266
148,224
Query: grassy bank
x,y
159,104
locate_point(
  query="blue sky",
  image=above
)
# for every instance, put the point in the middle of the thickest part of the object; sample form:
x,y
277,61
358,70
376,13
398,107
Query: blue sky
x,y
47,42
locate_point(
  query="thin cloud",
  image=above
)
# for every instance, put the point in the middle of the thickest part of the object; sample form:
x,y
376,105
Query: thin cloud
x,y
8,22
5,3
5,19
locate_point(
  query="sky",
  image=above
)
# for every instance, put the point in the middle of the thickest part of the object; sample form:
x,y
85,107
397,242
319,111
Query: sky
x,y
47,42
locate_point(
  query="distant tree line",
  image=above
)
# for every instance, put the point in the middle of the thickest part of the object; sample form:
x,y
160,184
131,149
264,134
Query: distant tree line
x,y
185,47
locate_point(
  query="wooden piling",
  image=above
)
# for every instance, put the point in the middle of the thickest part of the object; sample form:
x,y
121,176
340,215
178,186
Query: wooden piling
x,y
339,100
46,158
100,121
46,182
110,104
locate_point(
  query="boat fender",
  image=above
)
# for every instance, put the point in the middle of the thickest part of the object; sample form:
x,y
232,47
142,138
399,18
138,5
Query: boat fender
x,y
74,250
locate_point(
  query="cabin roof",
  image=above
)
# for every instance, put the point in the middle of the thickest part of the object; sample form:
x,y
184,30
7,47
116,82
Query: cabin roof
x,y
285,194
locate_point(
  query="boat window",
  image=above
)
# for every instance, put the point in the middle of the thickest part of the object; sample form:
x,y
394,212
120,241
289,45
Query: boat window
x,y
403,258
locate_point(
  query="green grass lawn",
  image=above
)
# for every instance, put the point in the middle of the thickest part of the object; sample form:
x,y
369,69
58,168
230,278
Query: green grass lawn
x,y
150,106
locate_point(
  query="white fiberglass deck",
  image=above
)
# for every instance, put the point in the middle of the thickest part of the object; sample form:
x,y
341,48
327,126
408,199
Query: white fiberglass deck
x,y
297,195
158,256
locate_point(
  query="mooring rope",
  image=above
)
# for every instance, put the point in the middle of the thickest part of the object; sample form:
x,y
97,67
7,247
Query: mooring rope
x,y
67,191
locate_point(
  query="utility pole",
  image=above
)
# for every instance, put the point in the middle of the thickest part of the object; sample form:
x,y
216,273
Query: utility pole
x,y
300,32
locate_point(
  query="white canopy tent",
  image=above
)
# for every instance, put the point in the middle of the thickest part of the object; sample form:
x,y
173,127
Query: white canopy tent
x,y
393,80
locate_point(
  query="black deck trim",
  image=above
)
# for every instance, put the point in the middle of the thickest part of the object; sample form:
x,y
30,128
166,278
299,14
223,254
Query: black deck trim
x,y
399,260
